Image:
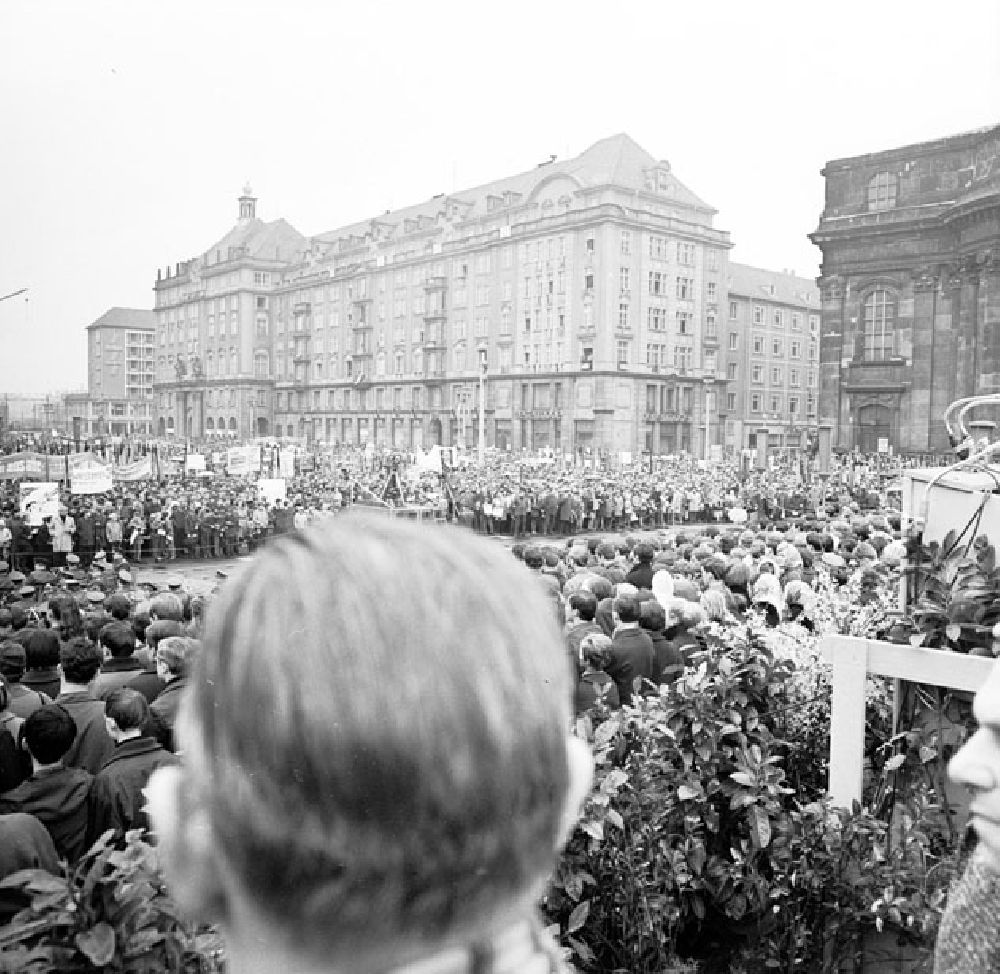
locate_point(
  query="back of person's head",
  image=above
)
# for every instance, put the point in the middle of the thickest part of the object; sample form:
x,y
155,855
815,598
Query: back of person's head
x,y
13,660
643,552
119,606
606,551
584,603
405,789
627,608
534,557
166,605
49,733
159,630
42,649
177,653
652,616
118,639
127,708
80,660
596,649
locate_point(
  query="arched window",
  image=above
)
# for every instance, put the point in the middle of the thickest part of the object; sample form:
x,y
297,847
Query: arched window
x,y
210,424
882,191
879,311
221,424
232,424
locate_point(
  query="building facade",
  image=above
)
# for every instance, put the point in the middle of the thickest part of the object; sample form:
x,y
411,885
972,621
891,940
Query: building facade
x,y
120,365
587,292
910,286
771,359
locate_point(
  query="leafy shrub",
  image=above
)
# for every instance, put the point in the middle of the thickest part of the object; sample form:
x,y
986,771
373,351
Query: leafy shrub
x,y
693,843
109,913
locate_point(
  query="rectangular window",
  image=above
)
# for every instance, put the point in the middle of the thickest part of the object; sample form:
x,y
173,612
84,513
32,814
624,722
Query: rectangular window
x,y
755,403
796,321
758,345
793,405
683,323
796,349
793,377
758,315
656,318
623,280
732,371
712,259
779,317
657,283
588,281
775,404
710,331
757,374
685,288
683,357
710,290
733,311
685,253
776,347
623,316
730,401
626,243
734,341
657,247
622,351
776,376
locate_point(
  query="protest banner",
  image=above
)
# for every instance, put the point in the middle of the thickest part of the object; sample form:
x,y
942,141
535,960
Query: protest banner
x,y
272,489
38,501
237,461
141,469
25,466
89,477
286,462
195,462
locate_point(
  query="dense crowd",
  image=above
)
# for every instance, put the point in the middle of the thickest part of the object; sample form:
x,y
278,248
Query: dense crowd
x,y
93,662
211,517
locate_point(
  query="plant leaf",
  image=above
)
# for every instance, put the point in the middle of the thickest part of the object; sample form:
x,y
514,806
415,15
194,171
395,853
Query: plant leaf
x,y
97,944
761,827
578,917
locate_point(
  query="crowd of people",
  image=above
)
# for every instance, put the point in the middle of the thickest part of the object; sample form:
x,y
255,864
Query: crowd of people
x,y
212,517
94,664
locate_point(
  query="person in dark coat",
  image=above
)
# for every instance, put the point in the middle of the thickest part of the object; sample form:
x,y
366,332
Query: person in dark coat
x,y
116,800
54,794
632,655
42,657
669,661
80,662
24,844
641,575
175,657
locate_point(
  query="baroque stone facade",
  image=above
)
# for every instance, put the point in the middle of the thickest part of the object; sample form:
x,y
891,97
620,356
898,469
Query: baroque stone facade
x,y
910,290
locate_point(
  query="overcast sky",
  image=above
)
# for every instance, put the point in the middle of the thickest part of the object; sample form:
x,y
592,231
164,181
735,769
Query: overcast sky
x,y
128,129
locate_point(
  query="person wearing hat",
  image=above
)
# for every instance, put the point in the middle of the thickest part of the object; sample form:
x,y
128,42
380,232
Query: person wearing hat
x,y
13,662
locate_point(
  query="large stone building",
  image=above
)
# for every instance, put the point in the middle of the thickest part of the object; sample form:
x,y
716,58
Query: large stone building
x,y
119,396
910,289
590,291
771,358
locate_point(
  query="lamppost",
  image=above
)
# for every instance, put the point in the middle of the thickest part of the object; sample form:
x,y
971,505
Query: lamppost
x,y
709,405
482,406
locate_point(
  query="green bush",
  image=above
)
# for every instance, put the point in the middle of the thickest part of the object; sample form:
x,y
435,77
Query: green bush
x,y
693,843
111,912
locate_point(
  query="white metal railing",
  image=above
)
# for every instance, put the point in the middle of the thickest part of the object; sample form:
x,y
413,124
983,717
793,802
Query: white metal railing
x,y
854,660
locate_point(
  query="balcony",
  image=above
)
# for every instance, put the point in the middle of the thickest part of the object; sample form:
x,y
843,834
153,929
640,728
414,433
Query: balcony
x,y
302,308
435,314
360,300
437,283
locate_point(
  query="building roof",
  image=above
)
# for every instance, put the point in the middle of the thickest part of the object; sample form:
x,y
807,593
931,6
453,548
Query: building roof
x,y
971,137
277,240
616,160
782,287
135,319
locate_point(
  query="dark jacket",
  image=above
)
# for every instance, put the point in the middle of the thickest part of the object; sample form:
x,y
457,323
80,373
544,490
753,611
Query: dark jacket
x,y
163,712
632,656
642,575
115,673
666,655
58,799
116,799
45,680
92,745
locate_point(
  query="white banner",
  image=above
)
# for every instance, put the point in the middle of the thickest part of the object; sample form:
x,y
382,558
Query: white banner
x,y
237,461
195,462
39,501
286,462
90,477
272,490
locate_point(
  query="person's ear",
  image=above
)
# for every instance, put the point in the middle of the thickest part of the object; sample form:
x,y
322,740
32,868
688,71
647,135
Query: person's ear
x,y
187,848
580,767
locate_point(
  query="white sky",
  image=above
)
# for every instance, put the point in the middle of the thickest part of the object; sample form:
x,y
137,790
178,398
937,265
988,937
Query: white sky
x,y
127,130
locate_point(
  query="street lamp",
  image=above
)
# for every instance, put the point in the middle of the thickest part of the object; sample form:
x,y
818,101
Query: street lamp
x,y
482,406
